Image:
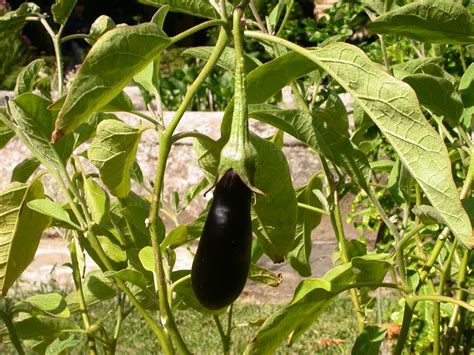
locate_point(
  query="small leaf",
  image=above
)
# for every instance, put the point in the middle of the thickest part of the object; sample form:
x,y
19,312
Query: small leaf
x,y
52,303
100,26
25,80
129,275
175,238
435,21
96,287
264,276
59,346
20,230
62,9
52,209
113,152
23,171
112,250
43,326
13,21
147,259
428,214
114,59
368,342
299,255
97,201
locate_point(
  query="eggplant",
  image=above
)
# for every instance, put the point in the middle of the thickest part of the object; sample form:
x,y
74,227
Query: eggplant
x,y
222,261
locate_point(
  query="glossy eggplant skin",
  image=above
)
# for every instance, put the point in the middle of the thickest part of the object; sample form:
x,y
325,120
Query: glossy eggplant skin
x,y
221,265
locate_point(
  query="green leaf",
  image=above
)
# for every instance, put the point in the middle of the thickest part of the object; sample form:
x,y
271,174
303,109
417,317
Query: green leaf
x,y
393,107
413,66
59,346
427,214
113,152
112,62
368,342
87,130
129,275
226,60
96,287
53,210
97,201
25,80
6,134
43,326
149,77
62,9
33,124
300,252
207,153
23,171
264,276
51,303
313,130
275,213
13,21
200,8
175,238
147,259
438,95
311,298
20,230
468,205
435,21
100,26
112,250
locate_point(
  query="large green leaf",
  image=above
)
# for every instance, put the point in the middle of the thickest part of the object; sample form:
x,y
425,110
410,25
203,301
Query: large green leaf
x,y
226,60
14,21
33,124
43,326
200,8
112,62
25,80
311,298
276,212
20,230
300,252
435,21
394,108
52,304
113,152
317,134
438,95
61,10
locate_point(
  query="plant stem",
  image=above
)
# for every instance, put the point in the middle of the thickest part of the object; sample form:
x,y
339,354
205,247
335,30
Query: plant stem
x,y
436,311
191,134
222,334
118,323
336,221
407,317
76,275
312,208
461,56
438,298
193,30
56,38
74,36
6,316
164,150
289,7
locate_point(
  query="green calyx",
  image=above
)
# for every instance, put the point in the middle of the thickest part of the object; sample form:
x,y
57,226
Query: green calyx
x,y
239,153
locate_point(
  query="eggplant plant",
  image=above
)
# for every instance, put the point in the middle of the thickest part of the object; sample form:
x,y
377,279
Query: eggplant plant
x,y
405,151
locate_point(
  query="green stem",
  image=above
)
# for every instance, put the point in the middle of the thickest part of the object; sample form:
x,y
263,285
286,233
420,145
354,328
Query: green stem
x,y
76,275
222,334
462,272
407,317
191,134
56,38
164,150
6,316
312,208
436,311
197,28
147,118
74,36
336,221
438,298
286,18
386,61
118,323
461,56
